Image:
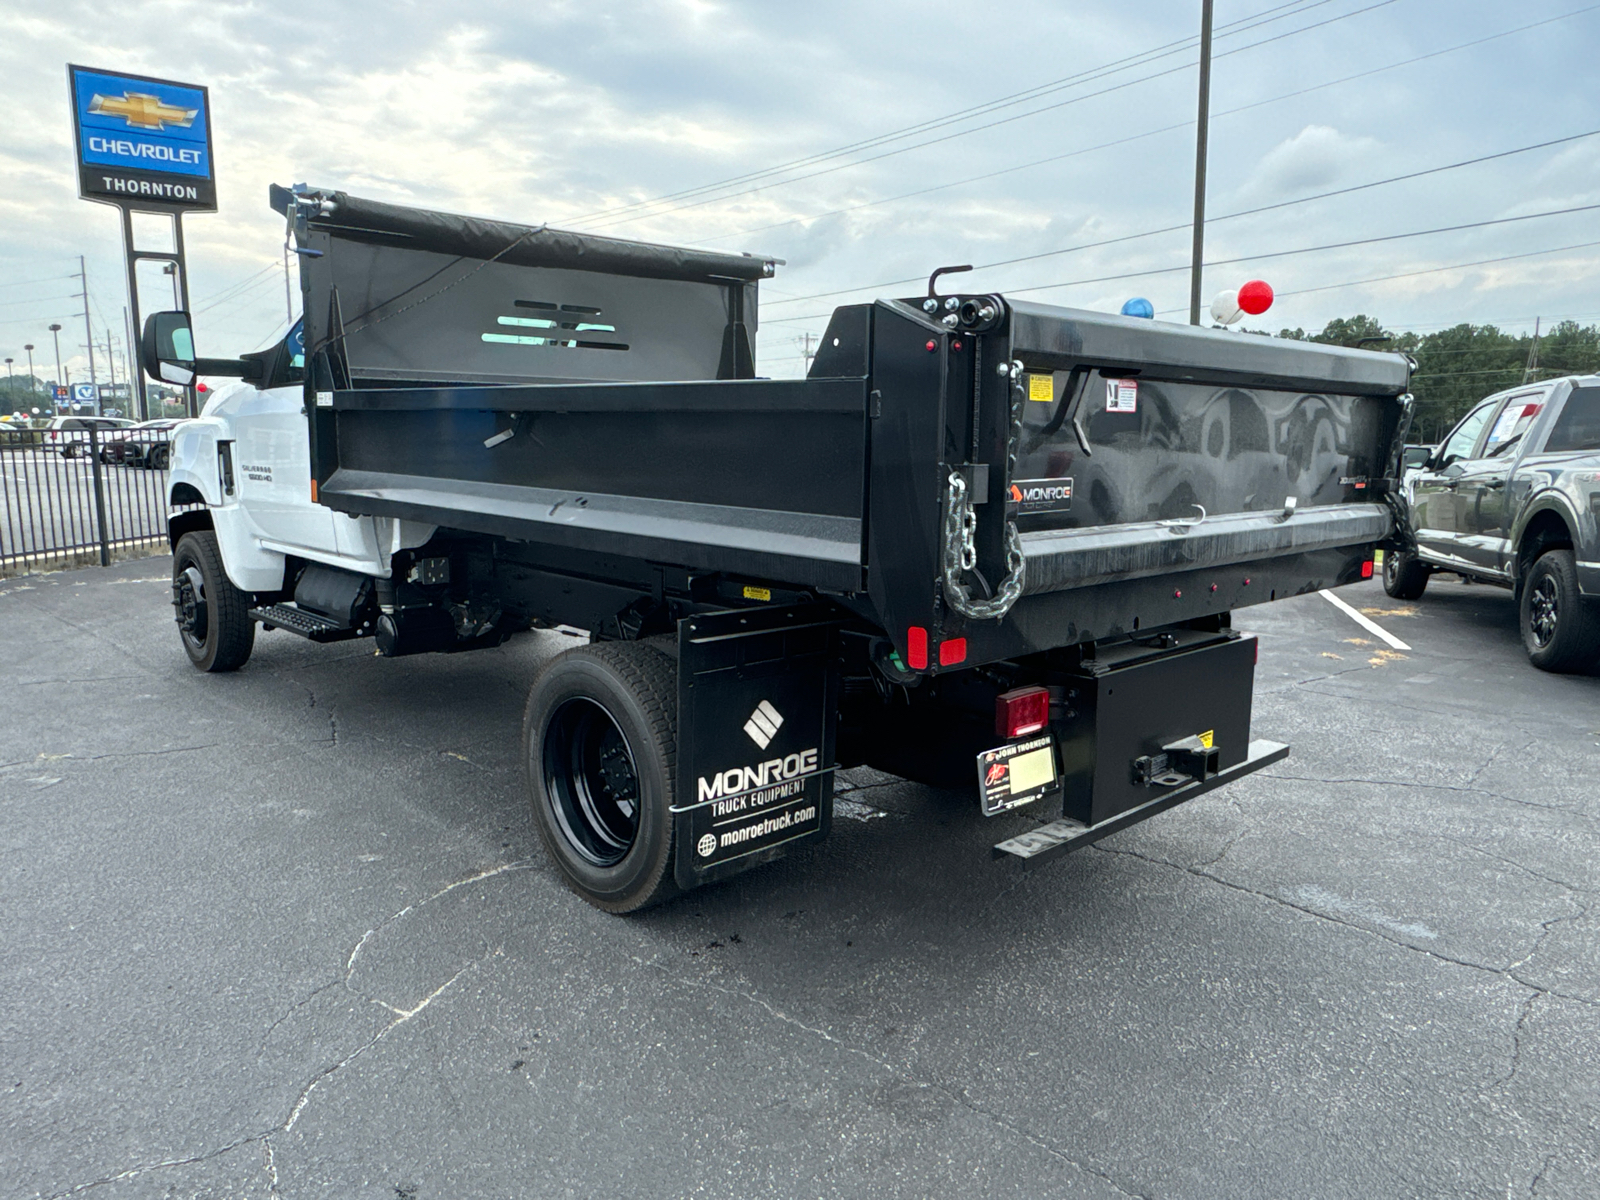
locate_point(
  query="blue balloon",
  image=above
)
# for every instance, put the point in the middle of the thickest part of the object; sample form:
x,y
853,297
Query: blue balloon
x,y
1139,307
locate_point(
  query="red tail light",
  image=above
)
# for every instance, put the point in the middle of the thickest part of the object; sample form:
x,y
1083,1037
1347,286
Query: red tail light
x,y
1366,569
1021,712
952,652
917,648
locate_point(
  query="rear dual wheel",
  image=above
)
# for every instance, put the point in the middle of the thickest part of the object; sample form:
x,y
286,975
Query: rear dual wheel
x,y
600,738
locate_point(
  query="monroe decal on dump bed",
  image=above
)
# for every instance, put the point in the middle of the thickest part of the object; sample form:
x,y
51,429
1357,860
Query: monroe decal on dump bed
x,y
1040,495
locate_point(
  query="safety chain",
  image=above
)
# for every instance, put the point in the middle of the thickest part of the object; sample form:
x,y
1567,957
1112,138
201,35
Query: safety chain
x,y
960,523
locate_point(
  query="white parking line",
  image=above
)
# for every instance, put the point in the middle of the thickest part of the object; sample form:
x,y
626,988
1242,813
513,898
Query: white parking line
x,y
1366,623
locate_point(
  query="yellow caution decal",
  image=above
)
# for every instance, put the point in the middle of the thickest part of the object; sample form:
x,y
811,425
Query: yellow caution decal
x,y
1207,737
1041,387
765,594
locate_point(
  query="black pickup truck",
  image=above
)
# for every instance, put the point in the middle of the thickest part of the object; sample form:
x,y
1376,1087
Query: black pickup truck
x,y
1512,497
985,543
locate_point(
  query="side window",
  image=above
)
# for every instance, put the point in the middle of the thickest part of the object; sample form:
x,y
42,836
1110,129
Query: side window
x,y
1460,443
1515,418
1578,426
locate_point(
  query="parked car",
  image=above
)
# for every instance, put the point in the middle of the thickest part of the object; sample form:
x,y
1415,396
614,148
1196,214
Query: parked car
x,y
70,435
1512,497
145,445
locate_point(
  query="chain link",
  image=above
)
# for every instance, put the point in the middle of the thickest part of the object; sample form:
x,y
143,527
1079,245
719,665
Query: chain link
x,y
960,527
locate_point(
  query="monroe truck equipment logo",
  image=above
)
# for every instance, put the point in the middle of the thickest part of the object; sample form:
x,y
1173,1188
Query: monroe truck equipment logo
x,y
763,724
744,784
1041,495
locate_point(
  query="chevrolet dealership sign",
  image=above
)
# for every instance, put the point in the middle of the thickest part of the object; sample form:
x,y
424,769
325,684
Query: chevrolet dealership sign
x,y
142,142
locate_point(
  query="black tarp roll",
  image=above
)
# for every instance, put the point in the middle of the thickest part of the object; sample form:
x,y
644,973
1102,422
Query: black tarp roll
x,y
529,245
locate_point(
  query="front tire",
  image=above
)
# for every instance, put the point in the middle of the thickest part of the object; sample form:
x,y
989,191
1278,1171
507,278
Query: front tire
x,y
1560,627
1404,576
213,616
600,745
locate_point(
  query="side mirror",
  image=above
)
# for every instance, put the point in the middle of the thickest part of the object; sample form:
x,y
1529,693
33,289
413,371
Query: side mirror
x,y
166,351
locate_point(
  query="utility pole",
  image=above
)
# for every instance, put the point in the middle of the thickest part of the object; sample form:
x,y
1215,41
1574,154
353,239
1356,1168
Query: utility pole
x,y
111,363
11,383
136,396
33,384
1203,125
1532,369
88,333
55,332
808,354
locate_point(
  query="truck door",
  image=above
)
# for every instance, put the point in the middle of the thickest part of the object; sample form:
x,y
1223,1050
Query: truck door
x,y
1482,517
1433,491
272,457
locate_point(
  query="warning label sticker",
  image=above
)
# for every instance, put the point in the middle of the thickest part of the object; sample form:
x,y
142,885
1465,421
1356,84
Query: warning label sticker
x,y
1122,395
1010,776
1041,387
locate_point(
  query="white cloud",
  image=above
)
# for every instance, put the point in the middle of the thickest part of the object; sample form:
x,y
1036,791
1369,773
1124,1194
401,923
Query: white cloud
x,y
1316,159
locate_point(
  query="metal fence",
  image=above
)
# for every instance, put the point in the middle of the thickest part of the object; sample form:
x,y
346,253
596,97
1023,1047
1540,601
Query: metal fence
x,y
88,496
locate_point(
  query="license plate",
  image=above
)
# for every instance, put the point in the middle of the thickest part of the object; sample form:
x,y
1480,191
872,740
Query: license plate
x,y
1016,774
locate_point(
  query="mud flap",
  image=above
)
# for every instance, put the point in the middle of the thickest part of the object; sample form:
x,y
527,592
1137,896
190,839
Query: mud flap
x,y
757,714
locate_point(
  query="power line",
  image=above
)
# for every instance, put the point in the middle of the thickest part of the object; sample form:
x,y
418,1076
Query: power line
x,y
1391,237
1138,59
1123,141
44,279
993,124
1228,262
216,297
1482,262
1248,212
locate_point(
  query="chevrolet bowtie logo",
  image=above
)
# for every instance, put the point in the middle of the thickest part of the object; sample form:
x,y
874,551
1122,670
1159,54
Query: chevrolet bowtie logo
x,y
143,111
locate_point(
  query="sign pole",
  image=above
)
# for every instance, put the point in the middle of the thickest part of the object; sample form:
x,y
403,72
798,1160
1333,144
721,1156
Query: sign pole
x,y
129,254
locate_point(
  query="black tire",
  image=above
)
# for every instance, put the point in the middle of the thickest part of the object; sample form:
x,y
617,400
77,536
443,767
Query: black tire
x,y
69,451
1404,575
600,744
1560,627
157,458
213,616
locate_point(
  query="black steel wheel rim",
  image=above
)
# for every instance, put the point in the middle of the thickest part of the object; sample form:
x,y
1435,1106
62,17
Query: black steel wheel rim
x,y
1391,565
189,604
1544,610
591,782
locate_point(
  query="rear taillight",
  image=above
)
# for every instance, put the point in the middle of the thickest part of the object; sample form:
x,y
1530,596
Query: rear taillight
x,y
1366,568
1022,711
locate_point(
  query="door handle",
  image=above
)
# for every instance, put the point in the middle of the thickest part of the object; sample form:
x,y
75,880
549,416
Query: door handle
x,y
1495,483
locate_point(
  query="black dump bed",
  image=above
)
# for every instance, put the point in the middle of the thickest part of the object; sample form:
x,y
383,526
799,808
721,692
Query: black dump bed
x,y
977,477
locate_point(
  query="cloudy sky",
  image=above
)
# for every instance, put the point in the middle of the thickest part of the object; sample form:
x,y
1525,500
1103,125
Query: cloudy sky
x,y
867,142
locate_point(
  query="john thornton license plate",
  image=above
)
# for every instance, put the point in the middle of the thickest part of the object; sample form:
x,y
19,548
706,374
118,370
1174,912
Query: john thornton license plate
x,y
1017,774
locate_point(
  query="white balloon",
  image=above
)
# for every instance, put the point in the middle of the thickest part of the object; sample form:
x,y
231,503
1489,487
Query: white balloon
x,y
1225,308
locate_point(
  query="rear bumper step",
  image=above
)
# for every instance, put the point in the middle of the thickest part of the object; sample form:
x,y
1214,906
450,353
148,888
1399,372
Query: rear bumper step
x,y
306,624
1061,837
1072,558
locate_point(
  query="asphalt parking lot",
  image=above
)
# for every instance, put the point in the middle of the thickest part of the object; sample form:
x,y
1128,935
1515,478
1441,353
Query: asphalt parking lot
x,y
289,933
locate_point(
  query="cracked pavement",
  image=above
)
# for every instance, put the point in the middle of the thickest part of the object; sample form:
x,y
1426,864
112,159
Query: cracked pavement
x,y
289,933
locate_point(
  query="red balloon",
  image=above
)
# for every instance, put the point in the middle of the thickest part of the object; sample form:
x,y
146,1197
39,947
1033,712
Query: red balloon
x,y
1255,297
